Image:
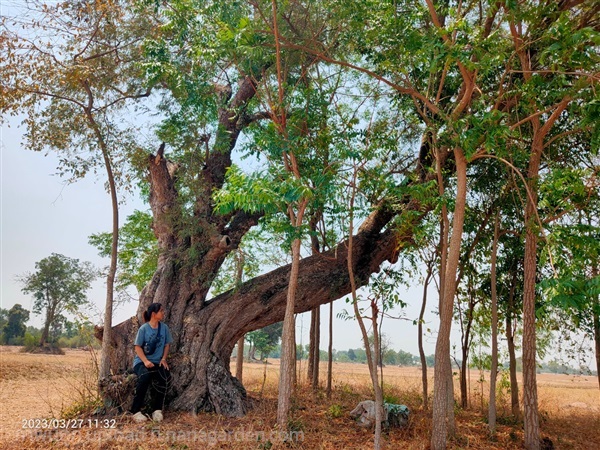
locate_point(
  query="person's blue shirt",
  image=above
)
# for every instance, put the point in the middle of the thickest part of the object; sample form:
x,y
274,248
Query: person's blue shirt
x,y
147,334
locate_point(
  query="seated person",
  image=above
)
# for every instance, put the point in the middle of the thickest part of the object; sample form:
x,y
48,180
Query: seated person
x,y
150,363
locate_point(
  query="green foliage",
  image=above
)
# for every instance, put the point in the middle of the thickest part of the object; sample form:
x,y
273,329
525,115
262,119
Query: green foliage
x,y
383,290
481,361
31,341
3,318
265,340
335,411
342,357
351,355
74,89
87,404
79,335
390,356
390,398
58,286
253,193
573,286
301,353
14,326
138,250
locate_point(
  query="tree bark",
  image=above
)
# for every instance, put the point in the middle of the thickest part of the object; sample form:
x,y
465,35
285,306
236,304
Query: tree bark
x,y
377,386
466,346
287,368
596,315
530,406
420,333
315,315
494,368
512,357
596,320
239,277
597,339
107,349
443,369
239,360
313,349
45,331
443,249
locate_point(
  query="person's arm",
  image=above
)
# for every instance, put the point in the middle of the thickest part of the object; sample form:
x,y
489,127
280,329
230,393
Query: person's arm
x,y
140,352
163,361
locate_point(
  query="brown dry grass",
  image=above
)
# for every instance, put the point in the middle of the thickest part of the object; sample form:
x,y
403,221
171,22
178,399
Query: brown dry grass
x,y
42,386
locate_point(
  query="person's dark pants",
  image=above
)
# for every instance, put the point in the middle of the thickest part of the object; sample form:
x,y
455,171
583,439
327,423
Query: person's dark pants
x,y
158,379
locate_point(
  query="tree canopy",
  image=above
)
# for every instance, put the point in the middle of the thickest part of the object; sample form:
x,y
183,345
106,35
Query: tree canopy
x,y
58,285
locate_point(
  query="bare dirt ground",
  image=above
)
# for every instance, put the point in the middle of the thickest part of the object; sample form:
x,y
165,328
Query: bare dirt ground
x,y
38,387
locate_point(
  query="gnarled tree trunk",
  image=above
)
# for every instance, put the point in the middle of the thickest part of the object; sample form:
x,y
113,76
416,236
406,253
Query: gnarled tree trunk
x,y
205,332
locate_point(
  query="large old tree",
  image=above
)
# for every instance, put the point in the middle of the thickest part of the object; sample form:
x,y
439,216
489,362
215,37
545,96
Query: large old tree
x,y
207,110
205,332
211,73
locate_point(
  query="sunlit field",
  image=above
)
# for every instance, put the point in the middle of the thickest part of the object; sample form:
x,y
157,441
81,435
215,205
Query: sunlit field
x,y
38,387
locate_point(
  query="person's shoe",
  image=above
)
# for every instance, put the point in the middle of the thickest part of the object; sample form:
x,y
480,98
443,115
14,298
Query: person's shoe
x,y
157,415
139,417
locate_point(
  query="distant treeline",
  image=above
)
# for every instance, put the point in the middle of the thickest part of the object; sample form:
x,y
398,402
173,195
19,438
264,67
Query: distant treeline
x,y
405,359
356,355
61,333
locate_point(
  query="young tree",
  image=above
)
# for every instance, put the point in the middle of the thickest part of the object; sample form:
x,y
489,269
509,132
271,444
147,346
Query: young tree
x,y
494,323
372,352
330,353
544,119
312,370
296,209
429,261
58,285
367,179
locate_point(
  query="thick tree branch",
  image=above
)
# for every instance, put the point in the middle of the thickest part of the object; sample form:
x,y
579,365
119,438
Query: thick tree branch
x,y
239,226
219,159
163,197
262,300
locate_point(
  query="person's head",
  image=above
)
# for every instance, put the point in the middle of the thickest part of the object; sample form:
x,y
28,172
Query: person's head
x,y
156,309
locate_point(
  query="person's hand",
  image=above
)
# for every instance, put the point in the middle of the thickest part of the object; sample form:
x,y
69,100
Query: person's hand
x,y
163,363
149,364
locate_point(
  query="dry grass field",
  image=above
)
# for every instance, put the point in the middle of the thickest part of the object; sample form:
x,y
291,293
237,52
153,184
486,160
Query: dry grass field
x,y
38,387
